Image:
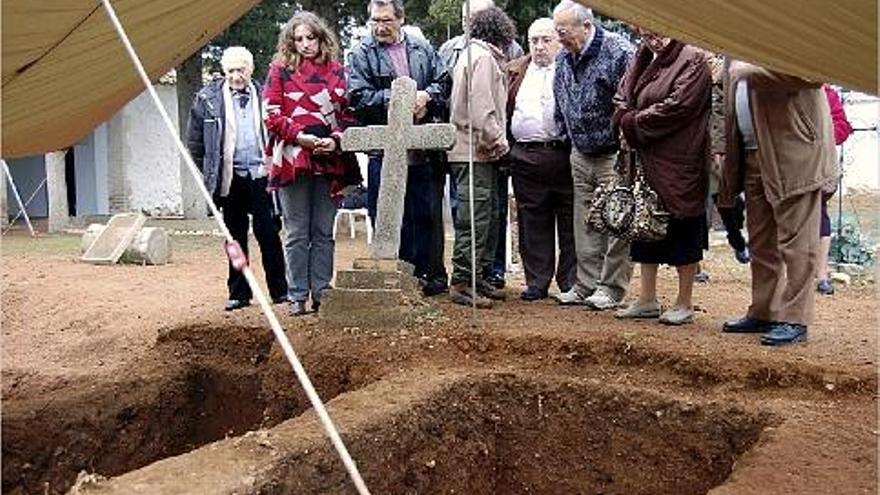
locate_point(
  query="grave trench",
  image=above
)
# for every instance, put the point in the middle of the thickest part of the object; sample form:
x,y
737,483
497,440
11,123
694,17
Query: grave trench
x,y
196,389
467,432
477,433
214,383
220,395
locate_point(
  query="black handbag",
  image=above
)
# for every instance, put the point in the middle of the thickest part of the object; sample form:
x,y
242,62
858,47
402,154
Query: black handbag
x,y
627,207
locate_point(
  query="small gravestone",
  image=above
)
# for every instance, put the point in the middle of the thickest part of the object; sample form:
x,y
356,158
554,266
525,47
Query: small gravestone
x,y
109,245
381,291
150,246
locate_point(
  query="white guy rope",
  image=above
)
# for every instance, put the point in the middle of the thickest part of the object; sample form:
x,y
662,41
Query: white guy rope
x,y
304,380
21,206
23,210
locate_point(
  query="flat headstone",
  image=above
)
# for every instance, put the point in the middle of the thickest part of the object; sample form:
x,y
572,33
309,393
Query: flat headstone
x,y
109,245
151,245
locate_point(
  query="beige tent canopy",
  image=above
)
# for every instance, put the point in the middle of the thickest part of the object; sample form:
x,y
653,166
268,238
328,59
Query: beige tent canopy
x,y
819,40
65,71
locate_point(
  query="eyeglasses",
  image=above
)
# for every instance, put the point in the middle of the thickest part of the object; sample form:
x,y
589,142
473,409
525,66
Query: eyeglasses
x,y
384,22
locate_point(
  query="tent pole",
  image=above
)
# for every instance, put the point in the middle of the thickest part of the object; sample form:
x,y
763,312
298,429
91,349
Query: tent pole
x,y
21,206
840,211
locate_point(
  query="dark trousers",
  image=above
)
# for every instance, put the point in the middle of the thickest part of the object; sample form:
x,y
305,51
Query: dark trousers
x,y
498,267
542,186
421,235
249,196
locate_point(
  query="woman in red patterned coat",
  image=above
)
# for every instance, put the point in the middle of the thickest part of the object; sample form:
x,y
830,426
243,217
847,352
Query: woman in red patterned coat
x,y
305,98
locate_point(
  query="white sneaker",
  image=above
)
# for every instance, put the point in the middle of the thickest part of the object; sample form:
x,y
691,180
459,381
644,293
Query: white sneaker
x,y
601,300
571,298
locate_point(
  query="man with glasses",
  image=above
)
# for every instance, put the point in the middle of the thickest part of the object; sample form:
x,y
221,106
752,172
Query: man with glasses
x,y
384,55
588,71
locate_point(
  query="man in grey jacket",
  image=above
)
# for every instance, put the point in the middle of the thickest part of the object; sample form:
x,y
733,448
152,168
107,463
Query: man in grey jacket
x,y
386,54
225,138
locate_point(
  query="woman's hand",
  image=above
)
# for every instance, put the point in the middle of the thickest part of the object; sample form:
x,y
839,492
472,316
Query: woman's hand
x,y
325,146
307,141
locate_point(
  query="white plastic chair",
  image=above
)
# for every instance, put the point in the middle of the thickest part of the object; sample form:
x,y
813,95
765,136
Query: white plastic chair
x,y
352,214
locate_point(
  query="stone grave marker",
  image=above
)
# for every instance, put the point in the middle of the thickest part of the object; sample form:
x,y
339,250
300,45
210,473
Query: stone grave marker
x,y
150,246
380,291
109,245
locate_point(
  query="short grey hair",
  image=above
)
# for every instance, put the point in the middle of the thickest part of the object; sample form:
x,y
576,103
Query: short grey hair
x,y
397,4
583,14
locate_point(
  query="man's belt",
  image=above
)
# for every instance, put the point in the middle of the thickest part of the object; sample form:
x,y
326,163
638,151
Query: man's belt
x,y
546,145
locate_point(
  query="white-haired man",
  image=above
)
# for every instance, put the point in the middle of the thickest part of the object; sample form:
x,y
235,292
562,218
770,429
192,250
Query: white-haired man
x,y
588,71
226,138
540,167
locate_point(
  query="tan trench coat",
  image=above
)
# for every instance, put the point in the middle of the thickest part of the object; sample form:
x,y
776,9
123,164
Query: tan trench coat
x,y
794,133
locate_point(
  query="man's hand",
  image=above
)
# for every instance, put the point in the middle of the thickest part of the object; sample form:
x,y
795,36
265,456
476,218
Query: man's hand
x,y
421,106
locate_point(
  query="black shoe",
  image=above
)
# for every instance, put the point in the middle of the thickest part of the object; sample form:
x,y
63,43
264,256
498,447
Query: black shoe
x,y
825,287
533,294
784,333
233,304
496,281
280,300
746,325
434,287
298,308
743,256
316,305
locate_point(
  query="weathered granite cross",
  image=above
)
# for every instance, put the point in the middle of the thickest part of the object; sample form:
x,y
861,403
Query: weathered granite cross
x,y
395,139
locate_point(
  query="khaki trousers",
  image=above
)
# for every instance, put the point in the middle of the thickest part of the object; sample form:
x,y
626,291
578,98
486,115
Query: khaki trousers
x,y
784,243
602,261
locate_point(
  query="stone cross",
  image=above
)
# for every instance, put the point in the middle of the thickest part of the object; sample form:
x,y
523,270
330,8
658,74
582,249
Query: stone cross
x,y
395,139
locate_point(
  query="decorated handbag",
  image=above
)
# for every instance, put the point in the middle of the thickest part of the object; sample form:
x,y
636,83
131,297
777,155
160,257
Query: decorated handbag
x,y
631,209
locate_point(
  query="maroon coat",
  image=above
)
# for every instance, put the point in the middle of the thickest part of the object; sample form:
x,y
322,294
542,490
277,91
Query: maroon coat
x,y
662,108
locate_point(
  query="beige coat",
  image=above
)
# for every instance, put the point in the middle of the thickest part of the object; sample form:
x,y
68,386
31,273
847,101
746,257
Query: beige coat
x,y
794,133
487,107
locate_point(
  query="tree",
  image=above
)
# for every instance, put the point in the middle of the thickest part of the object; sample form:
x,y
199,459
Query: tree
x,y
257,31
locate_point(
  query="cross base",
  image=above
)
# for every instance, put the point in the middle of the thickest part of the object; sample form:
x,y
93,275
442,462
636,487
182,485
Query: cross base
x,y
375,293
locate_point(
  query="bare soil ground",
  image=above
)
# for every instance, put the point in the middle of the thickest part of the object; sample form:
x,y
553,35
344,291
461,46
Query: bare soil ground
x,y
110,369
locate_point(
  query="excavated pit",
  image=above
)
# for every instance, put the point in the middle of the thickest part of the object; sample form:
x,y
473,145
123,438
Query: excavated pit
x,y
476,433
203,385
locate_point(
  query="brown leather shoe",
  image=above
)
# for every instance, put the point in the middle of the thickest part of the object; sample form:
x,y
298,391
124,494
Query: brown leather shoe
x,y
461,294
489,291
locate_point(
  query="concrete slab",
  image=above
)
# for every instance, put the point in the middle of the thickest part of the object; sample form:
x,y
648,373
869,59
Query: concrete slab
x,y
108,247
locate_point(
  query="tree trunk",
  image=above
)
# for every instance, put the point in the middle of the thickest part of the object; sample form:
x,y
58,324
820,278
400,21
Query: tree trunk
x,y
189,81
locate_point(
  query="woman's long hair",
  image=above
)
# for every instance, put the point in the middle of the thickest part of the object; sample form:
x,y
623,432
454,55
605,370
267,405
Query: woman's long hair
x,y
286,54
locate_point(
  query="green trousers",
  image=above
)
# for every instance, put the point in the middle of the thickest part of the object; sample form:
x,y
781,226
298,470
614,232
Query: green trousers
x,y
485,238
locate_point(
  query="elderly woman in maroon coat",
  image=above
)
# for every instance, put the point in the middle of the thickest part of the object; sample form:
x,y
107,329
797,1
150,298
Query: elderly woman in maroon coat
x,y
662,111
